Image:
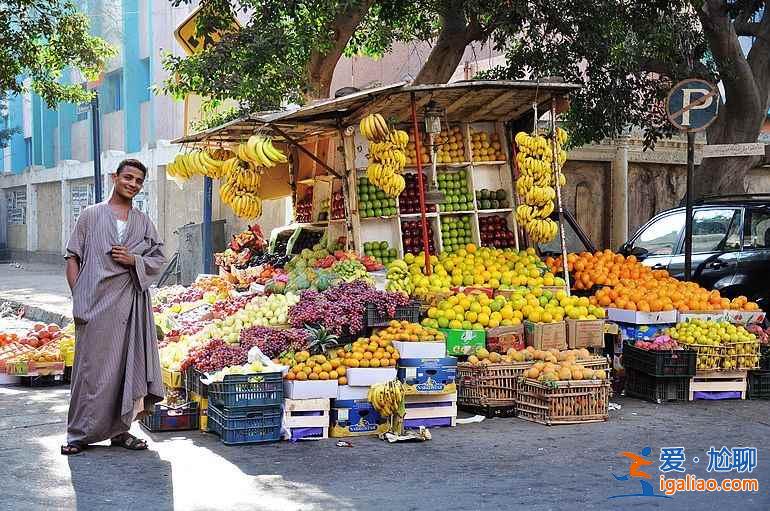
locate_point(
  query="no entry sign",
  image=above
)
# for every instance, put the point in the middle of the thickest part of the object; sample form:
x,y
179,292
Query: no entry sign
x,y
692,105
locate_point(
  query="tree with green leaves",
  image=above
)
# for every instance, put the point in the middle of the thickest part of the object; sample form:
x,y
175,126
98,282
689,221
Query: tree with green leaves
x,y
627,55
287,51
39,39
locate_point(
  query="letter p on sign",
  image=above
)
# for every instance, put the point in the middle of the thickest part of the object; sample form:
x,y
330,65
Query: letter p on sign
x,y
692,104
688,102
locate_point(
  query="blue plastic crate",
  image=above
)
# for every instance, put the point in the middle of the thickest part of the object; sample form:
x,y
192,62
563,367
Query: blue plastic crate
x,y
427,374
246,426
173,418
247,390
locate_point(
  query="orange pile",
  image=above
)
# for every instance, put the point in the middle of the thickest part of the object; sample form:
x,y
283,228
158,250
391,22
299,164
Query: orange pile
x,y
633,286
603,268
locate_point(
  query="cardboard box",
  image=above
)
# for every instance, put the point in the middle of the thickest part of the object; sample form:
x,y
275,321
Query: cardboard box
x,y
546,336
355,418
683,317
641,332
641,318
428,375
744,317
368,376
420,349
502,338
585,333
348,393
463,342
316,389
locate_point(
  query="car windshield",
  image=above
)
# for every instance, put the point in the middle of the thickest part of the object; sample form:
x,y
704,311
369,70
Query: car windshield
x,y
574,243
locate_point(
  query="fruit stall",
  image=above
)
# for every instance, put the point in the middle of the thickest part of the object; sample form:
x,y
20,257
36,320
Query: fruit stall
x,y
398,298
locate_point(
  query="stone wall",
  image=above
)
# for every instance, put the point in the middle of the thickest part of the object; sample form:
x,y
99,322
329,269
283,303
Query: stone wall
x,y
587,196
49,221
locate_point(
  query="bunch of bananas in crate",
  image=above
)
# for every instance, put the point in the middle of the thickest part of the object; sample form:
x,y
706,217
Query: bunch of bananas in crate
x,y
260,151
398,278
203,162
387,154
537,181
388,399
240,188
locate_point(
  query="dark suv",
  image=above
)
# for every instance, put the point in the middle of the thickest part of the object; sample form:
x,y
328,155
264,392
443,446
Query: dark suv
x,y
730,245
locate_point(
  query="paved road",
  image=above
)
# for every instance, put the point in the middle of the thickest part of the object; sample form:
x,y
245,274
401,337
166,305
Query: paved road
x,y
497,464
41,286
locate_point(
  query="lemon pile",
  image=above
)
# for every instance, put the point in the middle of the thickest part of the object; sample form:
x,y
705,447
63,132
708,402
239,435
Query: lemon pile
x,y
477,267
478,311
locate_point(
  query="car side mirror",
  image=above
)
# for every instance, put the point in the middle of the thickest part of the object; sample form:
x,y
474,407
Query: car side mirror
x,y
640,252
623,249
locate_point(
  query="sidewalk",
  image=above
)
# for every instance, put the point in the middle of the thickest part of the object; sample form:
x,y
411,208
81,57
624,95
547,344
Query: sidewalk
x,y
41,288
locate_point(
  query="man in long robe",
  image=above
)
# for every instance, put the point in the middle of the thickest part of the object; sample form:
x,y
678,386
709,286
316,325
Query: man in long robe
x,y
113,256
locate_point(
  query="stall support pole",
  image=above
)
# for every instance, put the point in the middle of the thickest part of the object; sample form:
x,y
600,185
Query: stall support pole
x,y
557,185
208,255
420,184
514,164
97,147
688,206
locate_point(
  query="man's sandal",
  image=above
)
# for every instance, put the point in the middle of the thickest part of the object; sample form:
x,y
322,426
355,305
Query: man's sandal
x,y
73,448
128,441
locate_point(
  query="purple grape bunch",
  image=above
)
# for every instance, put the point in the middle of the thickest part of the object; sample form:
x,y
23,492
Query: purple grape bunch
x,y
272,342
342,308
215,355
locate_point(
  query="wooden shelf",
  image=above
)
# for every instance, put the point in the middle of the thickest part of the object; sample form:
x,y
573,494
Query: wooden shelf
x,y
383,217
495,162
417,215
503,210
463,212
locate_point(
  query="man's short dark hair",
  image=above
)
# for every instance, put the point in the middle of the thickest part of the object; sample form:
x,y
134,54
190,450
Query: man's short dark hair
x,y
132,163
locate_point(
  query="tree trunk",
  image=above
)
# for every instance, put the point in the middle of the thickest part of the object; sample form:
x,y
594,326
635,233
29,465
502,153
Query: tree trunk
x,y
320,68
450,45
741,116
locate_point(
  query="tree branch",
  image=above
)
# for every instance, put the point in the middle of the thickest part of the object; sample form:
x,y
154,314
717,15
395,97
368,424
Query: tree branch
x,y
322,62
759,56
743,101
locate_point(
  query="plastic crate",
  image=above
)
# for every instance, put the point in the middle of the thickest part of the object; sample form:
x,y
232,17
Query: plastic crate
x,y
655,388
663,364
247,390
410,312
193,383
48,380
173,418
759,385
248,426
764,357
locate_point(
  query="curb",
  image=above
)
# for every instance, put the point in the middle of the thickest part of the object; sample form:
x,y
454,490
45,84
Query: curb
x,y
38,314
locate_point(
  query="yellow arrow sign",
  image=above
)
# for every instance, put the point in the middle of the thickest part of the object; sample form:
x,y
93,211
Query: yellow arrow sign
x,y
186,34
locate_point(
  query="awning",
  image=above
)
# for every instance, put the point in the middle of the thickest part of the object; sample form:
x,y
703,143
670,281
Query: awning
x,y
472,101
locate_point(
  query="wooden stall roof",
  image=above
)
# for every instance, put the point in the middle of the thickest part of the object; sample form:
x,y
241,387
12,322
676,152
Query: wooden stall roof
x,y
472,101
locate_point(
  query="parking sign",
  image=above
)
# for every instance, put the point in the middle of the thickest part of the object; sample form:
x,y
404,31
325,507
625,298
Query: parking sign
x,y
692,104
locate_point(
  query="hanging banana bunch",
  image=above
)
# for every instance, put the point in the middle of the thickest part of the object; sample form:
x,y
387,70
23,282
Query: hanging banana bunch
x,y
387,154
201,162
260,151
240,188
536,183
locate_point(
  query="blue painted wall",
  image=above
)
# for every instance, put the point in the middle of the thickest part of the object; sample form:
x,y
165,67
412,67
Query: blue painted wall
x,y
66,117
134,82
16,145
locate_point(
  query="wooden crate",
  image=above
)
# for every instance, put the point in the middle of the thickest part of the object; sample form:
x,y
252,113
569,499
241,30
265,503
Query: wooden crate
x,y
719,381
430,408
296,414
492,385
563,402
